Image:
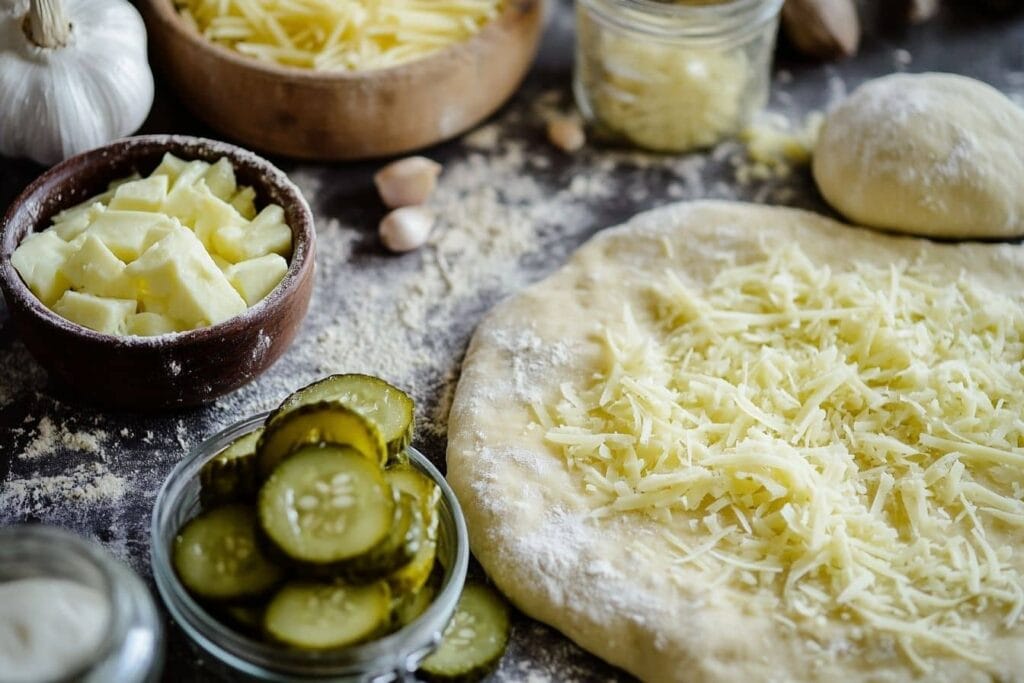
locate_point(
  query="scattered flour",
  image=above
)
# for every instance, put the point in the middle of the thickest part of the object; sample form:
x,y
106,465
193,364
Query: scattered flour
x,y
50,438
90,484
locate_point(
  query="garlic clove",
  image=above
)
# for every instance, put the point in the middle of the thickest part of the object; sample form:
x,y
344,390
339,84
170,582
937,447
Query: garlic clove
x,y
406,228
566,133
407,182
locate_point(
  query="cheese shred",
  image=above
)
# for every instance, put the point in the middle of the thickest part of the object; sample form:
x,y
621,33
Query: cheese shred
x,y
850,441
346,35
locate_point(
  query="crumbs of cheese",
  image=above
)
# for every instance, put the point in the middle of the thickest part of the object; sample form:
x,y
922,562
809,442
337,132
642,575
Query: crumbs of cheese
x,y
849,442
349,35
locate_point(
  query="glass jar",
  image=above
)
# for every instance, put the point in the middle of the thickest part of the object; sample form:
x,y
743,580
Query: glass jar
x,y
133,647
393,657
673,76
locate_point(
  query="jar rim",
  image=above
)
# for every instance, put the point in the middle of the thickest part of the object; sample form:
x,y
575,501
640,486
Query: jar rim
x,y
128,597
263,660
712,22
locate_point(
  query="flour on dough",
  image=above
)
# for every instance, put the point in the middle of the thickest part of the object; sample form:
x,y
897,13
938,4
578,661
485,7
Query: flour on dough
x,y
612,583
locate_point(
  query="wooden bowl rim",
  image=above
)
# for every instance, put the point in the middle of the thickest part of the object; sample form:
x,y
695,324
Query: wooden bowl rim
x,y
299,266
512,11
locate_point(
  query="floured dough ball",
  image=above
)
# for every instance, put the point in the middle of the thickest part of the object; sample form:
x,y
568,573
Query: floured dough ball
x,y
928,154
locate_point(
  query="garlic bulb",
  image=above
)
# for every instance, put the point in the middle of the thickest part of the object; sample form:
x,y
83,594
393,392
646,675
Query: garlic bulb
x,y
73,76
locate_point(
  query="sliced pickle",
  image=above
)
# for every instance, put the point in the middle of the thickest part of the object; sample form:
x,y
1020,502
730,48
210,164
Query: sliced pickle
x,y
409,606
326,504
231,474
314,615
387,406
398,548
318,423
217,557
474,640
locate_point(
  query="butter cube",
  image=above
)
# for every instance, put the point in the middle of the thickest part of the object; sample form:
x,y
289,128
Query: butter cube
x,y
244,202
109,316
149,324
255,278
211,215
170,166
129,233
38,260
176,277
266,234
93,268
147,194
221,262
71,223
220,178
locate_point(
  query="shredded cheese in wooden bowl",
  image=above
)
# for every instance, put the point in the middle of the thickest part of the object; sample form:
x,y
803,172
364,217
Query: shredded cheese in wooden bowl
x,y
348,35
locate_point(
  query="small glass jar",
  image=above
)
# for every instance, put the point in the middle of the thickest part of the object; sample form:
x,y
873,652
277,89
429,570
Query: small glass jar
x,y
673,76
390,658
133,647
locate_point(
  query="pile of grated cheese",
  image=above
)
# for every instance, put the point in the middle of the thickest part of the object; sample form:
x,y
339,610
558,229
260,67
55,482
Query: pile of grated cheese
x,y
850,443
350,35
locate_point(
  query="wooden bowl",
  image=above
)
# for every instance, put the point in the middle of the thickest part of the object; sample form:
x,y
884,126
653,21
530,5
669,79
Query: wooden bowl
x,y
183,369
346,115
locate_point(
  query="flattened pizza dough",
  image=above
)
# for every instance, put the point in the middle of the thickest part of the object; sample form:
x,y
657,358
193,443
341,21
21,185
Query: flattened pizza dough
x,y
655,591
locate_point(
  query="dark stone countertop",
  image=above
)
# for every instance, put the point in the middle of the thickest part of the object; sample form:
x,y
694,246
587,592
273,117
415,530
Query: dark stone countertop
x,y
64,462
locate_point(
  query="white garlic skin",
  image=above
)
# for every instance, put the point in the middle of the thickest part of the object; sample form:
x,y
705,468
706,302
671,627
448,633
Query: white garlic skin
x,y
406,228
407,182
566,133
55,103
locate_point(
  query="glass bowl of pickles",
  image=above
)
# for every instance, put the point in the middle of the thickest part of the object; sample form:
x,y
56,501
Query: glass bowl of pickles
x,y
314,543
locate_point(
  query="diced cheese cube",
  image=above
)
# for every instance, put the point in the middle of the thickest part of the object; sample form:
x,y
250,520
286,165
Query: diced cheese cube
x,y
170,166
255,278
178,278
109,316
129,233
183,202
70,223
244,202
93,268
221,262
190,174
211,215
149,324
38,260
220,178
267,234
147,194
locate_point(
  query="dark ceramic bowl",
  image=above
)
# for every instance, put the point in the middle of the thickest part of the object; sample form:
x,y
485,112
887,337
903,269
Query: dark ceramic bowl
x,y
181,369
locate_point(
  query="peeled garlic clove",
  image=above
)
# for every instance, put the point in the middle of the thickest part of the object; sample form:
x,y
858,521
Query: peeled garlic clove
x,y
566,133
406,228
407,182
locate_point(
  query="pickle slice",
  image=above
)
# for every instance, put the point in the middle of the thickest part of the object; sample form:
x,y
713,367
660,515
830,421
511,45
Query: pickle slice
x,y
387,406
409,606
398,548
324,505
474,640
325,422
321,616
231,474
411,577
217,557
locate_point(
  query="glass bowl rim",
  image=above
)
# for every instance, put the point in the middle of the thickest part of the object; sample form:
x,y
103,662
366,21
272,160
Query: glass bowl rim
x,y
265,660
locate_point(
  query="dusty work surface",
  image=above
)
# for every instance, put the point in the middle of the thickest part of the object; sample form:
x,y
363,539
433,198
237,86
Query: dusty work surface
x,y
511,208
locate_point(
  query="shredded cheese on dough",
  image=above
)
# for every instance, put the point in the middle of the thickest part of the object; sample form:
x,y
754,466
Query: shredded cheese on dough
x,y
851,442
338,34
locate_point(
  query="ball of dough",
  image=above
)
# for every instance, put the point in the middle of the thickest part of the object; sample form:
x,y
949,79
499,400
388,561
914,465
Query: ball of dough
x,y
929,154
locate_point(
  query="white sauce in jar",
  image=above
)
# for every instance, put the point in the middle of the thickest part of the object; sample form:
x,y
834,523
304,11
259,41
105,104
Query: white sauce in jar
x,y
49,628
